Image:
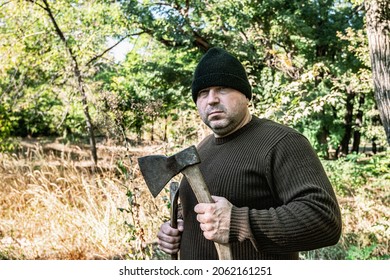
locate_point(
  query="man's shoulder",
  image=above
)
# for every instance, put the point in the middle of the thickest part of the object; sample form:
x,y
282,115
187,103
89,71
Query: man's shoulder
x,y
271,134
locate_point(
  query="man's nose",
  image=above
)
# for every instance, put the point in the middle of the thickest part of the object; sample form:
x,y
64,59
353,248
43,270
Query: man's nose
x,y
213,96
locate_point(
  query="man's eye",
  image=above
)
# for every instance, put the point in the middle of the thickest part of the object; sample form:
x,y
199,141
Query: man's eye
x,y
223,90
203,93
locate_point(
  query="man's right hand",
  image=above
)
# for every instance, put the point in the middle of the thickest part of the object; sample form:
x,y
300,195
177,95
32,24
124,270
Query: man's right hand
x,y
169,238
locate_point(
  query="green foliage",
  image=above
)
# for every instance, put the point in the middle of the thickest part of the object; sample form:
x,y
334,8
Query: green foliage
x,y
304,59
37,79
141,251
356,253
338,252
7,123
307,61
151,86
361,184
349,174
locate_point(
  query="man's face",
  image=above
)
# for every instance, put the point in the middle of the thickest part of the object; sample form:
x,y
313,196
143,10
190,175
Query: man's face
x,y
223,109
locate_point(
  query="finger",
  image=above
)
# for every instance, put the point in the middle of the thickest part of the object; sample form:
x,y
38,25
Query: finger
x,y
206,227
169,238
200,208
168,247
208,235
180,225
169,244
203,218
166,229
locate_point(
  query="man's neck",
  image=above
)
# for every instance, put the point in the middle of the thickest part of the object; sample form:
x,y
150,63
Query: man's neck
x,y
247,118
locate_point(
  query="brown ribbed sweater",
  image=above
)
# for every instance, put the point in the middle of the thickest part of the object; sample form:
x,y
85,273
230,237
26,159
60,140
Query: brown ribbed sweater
x,y
283,200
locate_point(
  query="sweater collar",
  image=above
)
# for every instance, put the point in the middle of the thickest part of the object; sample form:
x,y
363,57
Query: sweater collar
x,y
228,138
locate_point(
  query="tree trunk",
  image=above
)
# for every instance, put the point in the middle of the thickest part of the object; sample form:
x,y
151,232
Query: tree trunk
x,y
358,124
322,137
344,145
152,130
88,120
165,138
378,30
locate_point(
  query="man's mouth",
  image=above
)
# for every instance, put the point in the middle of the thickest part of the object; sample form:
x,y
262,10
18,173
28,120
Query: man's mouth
x,y
213,113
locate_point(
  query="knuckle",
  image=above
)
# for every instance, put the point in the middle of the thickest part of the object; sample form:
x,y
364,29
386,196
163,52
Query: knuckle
x,y
208,218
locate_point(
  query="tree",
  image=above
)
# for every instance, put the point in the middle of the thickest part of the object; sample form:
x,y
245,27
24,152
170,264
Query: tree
x,y
378,30
76,72
303,59
29,102
60,49
297,63
149,86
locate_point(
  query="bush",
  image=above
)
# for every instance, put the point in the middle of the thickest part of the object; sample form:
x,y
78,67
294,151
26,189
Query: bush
x,y
361,185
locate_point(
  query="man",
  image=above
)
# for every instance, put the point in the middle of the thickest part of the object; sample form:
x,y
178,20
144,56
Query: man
x,y
272,196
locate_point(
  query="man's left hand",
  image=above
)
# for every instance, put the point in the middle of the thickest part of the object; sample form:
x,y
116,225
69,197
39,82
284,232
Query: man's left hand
x,y
214,219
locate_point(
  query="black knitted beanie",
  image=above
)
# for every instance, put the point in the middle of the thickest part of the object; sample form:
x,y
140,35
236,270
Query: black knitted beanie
x,y
219,68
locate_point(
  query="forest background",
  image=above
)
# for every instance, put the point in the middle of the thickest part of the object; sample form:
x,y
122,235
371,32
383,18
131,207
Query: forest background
x,y
74,116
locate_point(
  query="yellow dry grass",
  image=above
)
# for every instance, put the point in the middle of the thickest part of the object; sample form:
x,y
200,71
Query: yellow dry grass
x,y
52,207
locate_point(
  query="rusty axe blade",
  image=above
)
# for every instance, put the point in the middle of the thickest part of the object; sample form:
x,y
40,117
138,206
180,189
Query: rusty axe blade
x,y
158,170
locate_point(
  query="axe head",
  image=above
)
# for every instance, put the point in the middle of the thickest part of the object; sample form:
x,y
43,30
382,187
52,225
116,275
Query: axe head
x,y
157,170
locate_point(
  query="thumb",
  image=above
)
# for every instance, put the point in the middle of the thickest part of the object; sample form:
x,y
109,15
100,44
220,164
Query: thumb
x,y
217,198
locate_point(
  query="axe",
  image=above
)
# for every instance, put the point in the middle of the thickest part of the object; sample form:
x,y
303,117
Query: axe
x,y
157,170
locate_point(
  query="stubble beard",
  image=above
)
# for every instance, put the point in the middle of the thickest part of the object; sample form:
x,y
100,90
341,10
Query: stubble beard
x,y
221,124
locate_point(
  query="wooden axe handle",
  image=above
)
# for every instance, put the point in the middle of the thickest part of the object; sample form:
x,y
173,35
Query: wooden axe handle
x,y
174,193
198,186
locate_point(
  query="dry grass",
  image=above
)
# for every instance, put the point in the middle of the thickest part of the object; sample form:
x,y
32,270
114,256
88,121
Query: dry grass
x,y
55,207
52,207
364,197
366,220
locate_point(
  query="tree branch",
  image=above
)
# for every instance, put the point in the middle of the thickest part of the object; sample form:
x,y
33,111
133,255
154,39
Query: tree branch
x,y
113,46
5,3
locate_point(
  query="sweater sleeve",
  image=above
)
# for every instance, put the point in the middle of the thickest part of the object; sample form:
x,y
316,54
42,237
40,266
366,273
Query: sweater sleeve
x,y
308,217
